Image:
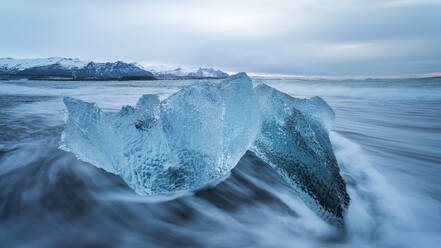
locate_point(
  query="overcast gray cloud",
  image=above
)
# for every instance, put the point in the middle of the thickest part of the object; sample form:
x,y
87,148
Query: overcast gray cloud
x,y
308,37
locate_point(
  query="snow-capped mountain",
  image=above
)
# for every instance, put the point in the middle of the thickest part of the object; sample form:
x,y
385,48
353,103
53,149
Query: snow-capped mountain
x,y
16,65
208,72
67,67
170,72
75,68
116,69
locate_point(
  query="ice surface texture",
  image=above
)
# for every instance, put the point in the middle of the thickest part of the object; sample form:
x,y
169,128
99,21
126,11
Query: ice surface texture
x,y
190,139
294,141
197,136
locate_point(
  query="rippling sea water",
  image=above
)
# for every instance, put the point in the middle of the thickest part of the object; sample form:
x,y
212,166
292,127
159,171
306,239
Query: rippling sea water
x,y
387,139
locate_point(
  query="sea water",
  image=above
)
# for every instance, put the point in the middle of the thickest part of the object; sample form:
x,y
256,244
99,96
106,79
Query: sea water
x,y
387,139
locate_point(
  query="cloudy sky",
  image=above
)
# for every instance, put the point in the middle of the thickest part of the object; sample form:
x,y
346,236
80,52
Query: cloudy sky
x,y
304,37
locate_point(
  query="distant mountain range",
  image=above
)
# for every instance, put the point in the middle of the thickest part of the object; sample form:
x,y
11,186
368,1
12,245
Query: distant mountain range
x,y
75,69
170,72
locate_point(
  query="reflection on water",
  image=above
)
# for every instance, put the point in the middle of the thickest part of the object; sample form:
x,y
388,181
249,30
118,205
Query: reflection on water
x,y
386,137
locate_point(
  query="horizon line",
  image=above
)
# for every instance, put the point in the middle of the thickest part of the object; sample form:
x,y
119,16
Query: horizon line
x,y
266,75
301,76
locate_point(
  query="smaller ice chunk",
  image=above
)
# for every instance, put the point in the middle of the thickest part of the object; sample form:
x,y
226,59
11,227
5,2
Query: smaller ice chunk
x,y
294,141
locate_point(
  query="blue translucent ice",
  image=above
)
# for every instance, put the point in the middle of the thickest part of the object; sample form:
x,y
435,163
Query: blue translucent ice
x,y
190,139
197,136
294,141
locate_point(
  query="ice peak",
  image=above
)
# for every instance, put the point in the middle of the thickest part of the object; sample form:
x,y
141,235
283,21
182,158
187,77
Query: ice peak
x,y
147,101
